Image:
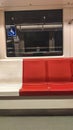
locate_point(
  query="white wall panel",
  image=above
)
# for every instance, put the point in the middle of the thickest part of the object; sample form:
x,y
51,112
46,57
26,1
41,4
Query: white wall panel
x,y
30,2
71,32
66,32
34,2
2,36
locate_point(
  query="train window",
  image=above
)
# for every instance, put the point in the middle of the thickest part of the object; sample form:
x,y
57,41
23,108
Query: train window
x,y
34,33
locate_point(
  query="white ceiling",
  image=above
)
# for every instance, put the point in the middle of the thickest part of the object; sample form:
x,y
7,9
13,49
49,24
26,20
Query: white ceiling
x,y
4,3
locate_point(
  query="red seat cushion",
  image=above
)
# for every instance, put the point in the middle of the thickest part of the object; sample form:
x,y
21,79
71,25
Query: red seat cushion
x,y
34,89
59,70
34,70
60,88
47,89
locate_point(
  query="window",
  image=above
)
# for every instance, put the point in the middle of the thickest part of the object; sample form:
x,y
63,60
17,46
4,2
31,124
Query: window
x,y
34,33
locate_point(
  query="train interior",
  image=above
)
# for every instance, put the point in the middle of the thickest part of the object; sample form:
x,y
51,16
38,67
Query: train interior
x,y
36,55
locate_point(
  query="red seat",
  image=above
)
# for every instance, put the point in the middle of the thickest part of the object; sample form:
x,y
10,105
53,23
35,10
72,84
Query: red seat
x,y
60,88
34,89
47,77
58,70
34,71
34,77
71,61
47,89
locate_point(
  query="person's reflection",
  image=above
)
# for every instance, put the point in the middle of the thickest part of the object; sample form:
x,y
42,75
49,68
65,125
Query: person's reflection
x,y
21,42
51,41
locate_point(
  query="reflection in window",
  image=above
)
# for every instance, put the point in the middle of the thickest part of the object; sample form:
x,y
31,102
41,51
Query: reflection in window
x,y
42,38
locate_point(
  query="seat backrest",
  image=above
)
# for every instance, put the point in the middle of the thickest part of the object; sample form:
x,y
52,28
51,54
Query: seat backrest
x,y
71,60
59,70
34,70
11,71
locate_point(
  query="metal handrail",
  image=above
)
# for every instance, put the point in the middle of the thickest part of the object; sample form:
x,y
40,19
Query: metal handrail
x,y
45,26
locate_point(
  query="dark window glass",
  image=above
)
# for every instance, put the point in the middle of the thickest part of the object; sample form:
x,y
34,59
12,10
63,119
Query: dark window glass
x,y
34,33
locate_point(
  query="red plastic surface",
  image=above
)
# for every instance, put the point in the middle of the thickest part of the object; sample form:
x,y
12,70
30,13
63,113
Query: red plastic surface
x,y
34,89
43,89
34,71
59,70
47,77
